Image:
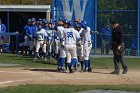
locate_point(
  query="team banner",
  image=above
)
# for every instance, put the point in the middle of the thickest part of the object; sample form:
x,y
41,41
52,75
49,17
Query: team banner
x,y
72,9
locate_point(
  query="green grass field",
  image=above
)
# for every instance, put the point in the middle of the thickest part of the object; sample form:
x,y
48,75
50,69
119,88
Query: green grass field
x,y
100,63
64,88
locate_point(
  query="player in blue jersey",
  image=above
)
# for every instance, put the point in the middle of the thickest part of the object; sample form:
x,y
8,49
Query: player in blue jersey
x,y
2,36
30,33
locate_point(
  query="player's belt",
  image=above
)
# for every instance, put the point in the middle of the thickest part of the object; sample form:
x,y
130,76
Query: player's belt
x,y
40,40
87,41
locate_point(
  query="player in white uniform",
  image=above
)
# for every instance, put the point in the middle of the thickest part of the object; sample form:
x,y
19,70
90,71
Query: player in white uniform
x,y
70,37
40,41
56,43
80,51
50,39
86,46
61,60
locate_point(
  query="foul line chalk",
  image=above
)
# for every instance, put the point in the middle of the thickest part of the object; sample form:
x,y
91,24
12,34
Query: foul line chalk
x,y
13,72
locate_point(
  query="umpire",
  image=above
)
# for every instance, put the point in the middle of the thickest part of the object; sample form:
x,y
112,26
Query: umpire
x,y
118,49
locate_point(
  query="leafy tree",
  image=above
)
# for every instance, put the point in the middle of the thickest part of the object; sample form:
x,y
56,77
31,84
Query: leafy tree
x,y
25,2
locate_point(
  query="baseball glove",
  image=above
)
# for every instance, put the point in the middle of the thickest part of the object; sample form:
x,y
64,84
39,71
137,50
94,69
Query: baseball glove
x,y
119,50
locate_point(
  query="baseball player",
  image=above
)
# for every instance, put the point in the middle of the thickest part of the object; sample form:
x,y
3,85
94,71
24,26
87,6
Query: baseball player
x,y
30,32
46,27
26,37
43,20
27,25
50,38
70,36
80,51
62,56
40,21
40,41
86,46
2,31
56,43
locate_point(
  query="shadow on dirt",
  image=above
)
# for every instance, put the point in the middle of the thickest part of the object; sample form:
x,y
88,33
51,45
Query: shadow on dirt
x,y
43,69
100,72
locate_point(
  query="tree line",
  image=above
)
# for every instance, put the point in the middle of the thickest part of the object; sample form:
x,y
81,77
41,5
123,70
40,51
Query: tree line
x,y
25,2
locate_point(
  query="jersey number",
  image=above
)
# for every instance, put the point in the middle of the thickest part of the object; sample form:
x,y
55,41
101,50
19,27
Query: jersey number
x,y
69,34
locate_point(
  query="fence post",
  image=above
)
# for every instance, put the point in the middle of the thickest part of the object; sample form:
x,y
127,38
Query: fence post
x,y
8,19
138,37
52,10
17,42
95,26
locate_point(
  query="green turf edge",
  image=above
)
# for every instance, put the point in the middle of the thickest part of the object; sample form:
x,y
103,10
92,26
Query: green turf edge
x,y
40,88
96,63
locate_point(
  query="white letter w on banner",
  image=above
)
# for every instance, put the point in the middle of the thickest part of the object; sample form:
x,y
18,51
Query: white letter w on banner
x,y
75,8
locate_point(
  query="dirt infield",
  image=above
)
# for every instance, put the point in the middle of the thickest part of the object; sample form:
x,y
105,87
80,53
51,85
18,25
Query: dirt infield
x,y
20,76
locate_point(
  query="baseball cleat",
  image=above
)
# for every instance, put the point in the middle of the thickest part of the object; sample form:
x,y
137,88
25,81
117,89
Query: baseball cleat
x,y
124,72
90,70
85,70
116,72
58,69
78,64
45,59
62,70
72,69
35,59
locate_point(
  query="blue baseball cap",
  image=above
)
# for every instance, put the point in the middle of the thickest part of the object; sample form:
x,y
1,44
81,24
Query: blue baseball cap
x,y
37,22
46,21
43,19
66,21
83,25
51,21
60,19
71,23
29,20
33,19
39,19
84,22
78,25
56,20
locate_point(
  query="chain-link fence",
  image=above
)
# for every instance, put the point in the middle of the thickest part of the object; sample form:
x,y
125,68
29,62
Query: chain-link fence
x,y
123,11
